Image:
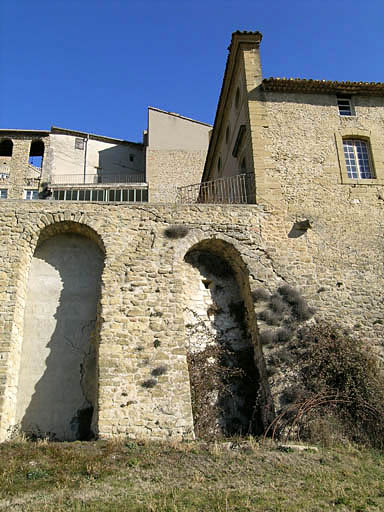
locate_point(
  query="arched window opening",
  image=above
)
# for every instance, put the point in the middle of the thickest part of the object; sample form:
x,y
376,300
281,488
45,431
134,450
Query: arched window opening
x,y
225,381
36,153
57,389
6,147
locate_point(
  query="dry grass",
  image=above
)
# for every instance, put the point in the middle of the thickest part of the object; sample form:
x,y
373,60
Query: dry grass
x,y
164,477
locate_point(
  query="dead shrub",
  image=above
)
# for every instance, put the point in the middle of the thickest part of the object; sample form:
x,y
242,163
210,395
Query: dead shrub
x,y
341,379
260,295
214,374
268,337
286,309
299,306
150,383
159,370
270,317
283,334
176,231
278,305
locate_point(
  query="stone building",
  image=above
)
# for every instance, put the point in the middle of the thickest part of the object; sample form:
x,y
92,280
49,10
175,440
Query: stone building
x,y
107,300
69,165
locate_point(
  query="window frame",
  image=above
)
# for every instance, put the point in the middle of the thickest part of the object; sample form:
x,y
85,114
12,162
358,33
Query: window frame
x,y
351,147
351,110
375,154
1,193
31,191
104,195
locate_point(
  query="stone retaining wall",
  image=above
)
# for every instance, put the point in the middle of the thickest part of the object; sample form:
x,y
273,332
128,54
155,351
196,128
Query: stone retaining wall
x,y
336,264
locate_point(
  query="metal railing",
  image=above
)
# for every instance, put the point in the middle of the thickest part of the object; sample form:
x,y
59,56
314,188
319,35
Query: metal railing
x,y
94,179
32,182
238,189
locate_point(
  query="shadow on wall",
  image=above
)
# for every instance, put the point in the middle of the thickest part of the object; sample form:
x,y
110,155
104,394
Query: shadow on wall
x,y
225,381
58,380
120,162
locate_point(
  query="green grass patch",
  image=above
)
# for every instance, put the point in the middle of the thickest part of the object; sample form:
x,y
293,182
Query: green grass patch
x,y
161,477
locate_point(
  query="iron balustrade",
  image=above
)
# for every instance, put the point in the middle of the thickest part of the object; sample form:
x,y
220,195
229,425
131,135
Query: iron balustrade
x,y
95,179
238,189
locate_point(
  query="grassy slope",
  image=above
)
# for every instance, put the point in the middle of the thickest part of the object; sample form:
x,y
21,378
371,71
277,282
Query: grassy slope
x,y
129,476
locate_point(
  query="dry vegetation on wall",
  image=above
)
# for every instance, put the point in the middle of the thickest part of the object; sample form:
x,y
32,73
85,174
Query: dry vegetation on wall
x,y
339,394
176,231
214,375
284,311
224,380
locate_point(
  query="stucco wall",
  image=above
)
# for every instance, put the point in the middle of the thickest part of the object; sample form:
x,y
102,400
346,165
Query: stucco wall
x,y
335,265
175,155
170,131
57,384
101,157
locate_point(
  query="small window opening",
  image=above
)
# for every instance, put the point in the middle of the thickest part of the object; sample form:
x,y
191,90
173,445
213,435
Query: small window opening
x,y
243,165
3,193
237,98
131,157
79,143
227,135
36,153
344,106
6,147
219,164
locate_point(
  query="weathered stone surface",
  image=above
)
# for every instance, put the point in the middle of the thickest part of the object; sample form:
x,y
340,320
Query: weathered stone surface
x,y
336,270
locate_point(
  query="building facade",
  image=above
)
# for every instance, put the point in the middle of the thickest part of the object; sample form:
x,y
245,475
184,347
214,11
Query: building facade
x,y
106,302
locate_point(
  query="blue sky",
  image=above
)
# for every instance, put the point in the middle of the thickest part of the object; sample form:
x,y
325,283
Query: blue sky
x,y
96,65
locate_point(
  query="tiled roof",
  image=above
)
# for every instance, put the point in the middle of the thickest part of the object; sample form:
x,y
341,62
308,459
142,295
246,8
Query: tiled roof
x,y
322,86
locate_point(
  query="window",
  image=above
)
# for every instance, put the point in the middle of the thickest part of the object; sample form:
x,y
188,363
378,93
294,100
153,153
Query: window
x,y
36,153
227,135
237,98
357,159
119,195
30,194
219,164
79,143
345,106
6,147
3,193
131,157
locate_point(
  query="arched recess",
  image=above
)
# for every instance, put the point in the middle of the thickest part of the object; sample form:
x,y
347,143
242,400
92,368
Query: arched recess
x,y
57,387
229,385
6,147
36,153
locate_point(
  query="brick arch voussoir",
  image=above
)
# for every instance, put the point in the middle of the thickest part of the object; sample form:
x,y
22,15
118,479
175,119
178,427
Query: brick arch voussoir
x,y
224,246
49,225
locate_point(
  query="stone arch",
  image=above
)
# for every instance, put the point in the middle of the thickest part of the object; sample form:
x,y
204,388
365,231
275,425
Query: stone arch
x,y
6,147
57,384
223,342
